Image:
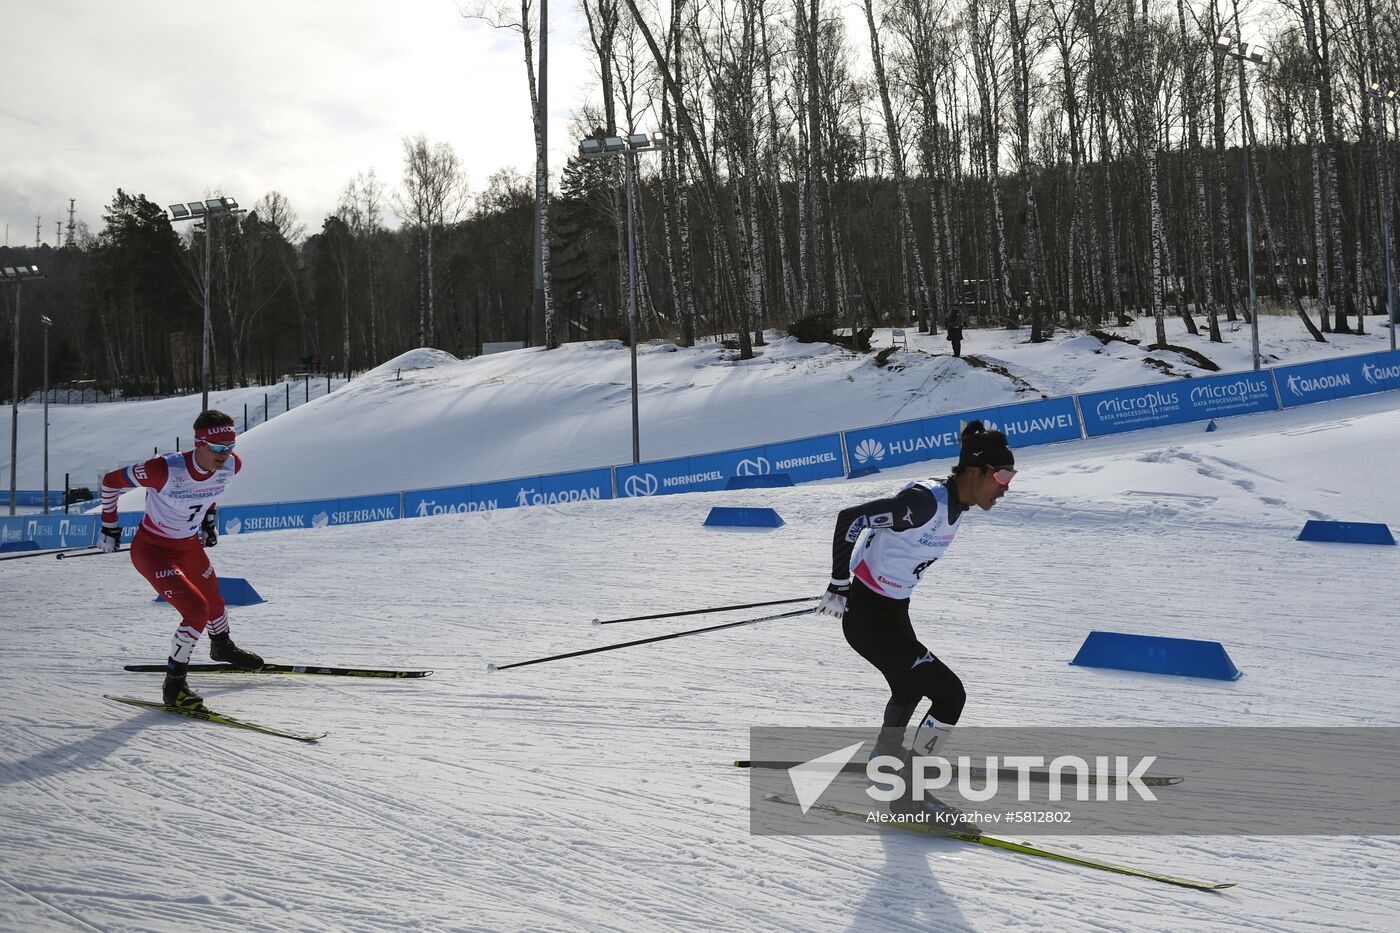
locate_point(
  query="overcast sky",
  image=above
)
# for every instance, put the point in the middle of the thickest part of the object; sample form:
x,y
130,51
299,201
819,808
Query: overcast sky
x,y
177,99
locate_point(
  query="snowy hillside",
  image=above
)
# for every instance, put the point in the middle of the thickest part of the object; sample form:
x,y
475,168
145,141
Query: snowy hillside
x,y
597,793
426,419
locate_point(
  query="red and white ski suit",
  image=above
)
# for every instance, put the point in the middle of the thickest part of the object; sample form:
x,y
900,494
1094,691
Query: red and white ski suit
x,y
167,549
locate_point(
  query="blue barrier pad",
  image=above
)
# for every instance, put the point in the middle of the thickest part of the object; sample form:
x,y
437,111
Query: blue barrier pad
x,y
724,517
1153,654
1347,532
765,481
236,591
19,546
858,472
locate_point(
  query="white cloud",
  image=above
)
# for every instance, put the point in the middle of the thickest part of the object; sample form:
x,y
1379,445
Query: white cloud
x,y
175,99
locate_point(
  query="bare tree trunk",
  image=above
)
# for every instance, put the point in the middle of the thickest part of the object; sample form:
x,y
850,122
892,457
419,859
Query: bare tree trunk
x,y
786,279
1199,244
1329,133
1278,258
982,37
1022,54
901,177
551,340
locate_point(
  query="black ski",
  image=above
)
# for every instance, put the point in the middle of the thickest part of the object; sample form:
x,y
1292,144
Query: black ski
x,y
1003,774
208,715
281,669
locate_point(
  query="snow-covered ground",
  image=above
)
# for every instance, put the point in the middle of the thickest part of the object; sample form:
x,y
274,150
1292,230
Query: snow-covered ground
x,y
597,793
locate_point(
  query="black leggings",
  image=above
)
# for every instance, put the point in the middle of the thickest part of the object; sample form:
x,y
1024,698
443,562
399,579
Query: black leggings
x,y
878,628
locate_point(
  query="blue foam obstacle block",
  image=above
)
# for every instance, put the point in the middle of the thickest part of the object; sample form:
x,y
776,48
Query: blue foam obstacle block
x,y
19,546
858,472
724,517
236,591
767,481
1347,532
1153,654
1210,427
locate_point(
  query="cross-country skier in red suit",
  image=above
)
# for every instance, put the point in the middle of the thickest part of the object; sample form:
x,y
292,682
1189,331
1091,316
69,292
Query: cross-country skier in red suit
x,y
168,550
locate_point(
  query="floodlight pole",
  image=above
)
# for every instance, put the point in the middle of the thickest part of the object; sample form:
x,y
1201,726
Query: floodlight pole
x,y
601,145
208,260
206,211
1239,51
14,402
17,275
1386,209
629,169
47,324
1248,220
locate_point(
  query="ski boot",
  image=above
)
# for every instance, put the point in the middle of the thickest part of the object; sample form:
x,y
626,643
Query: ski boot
x,y
222,649
177,692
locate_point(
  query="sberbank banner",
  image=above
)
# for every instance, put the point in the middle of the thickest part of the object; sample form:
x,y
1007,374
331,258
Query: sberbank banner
x,y
550,489
1328,379
1025,424
803,460
1138,407
319,513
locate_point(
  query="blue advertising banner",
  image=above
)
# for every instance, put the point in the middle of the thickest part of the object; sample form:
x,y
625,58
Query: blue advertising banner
x,y
550,489
803,460
1026,424
1116,410
1339,378
318,513
50,531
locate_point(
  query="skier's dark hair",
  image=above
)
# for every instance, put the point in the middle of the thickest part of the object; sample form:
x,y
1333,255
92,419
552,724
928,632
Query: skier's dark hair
x,y
212,418
983,448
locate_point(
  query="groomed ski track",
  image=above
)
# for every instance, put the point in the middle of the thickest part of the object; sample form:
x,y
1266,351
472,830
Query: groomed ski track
x,y
598,793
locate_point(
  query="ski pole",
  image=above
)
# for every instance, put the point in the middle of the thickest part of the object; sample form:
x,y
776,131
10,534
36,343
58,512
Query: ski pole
x,y
696,612
490,668
89,552
43,553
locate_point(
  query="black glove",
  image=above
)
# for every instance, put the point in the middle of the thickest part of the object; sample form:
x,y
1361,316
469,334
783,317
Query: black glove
x,y
209,529
833,601
110,538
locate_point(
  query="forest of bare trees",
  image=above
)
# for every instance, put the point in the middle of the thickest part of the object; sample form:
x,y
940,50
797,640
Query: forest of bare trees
x,y
1046,164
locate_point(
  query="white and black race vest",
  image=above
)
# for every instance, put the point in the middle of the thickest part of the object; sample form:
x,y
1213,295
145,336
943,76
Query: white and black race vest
x,y
891,562
176,509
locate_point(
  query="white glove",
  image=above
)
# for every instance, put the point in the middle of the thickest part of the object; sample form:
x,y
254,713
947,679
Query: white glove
x,y
833,601
109,539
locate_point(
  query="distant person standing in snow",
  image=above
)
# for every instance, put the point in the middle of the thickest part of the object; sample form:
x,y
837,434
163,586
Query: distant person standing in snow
x,y
168,549
955,327
880,553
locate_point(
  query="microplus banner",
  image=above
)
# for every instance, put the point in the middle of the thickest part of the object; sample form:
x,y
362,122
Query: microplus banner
x,y
1339,378
551,489
1025,424
804,460
1117,410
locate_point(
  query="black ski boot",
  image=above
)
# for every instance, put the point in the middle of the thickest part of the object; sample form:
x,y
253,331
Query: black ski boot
x,y
222,648
177,692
